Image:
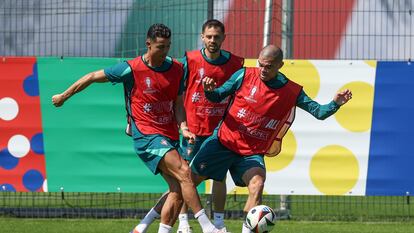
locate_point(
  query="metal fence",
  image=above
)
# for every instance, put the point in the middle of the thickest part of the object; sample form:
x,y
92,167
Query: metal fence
x,y
305,29
136,205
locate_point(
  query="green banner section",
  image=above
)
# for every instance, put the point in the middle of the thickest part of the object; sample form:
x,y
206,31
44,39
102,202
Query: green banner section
x,y
86,148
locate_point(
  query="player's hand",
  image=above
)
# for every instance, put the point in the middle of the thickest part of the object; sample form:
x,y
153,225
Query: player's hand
x,y
58,100
343,97
209,84
190,137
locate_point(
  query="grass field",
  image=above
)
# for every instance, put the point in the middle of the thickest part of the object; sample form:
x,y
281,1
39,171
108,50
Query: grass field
x,y
23,225
309,214
302,208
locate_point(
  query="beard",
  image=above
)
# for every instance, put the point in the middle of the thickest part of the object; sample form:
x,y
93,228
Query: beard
x,y
213,48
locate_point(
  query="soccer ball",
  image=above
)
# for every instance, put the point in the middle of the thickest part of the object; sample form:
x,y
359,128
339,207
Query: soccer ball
x,y
261,219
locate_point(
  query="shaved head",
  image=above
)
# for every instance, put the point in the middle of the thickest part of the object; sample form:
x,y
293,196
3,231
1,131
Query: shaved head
x,y
272,52
270,61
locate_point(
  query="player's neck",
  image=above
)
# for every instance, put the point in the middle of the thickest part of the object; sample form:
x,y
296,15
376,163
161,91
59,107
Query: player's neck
x,y
152,61
212,56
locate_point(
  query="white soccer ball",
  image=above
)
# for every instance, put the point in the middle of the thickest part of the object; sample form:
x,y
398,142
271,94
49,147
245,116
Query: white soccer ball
x,y
261,219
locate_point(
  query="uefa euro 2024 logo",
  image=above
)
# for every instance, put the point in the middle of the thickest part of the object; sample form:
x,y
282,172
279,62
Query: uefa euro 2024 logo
x,y
148,82
149,89
201,75
251,98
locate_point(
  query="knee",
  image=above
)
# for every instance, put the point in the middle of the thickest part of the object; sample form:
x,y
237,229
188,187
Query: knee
x,y
184,174
256,184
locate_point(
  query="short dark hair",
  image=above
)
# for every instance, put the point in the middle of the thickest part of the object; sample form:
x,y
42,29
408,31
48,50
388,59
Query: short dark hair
x,y
213,23
158,30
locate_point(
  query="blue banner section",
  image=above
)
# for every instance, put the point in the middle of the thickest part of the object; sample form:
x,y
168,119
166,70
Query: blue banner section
x,y
391,157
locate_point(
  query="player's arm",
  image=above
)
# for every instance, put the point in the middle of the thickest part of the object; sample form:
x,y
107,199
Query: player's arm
x,y
216,95
93,77
120,72
180,114
319,111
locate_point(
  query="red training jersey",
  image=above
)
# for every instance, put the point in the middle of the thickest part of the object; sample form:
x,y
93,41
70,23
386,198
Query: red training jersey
x,y
153,96
203,116
257,114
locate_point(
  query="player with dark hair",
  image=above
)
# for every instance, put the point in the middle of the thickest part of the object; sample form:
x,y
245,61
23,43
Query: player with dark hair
x,y
203,116
154,87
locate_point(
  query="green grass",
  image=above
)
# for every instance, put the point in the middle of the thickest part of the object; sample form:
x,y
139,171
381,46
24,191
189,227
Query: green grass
x,y
302,208
23,225
351,208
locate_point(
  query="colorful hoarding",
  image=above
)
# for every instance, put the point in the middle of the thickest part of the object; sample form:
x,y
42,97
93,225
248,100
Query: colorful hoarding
x,y
362,150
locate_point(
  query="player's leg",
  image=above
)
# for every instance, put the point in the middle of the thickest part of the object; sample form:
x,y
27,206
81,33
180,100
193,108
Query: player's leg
x,y
255,179
154,213
187,152
175,166
212,161
250,171
184,225
219,192
173,202
152,149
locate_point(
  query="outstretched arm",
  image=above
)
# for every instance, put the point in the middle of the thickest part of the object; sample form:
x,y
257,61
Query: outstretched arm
x,y
94,77
319,111
342,97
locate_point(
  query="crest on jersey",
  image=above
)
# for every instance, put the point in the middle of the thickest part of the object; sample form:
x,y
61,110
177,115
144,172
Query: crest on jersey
x,y
200,75
148,82
251,97
149,89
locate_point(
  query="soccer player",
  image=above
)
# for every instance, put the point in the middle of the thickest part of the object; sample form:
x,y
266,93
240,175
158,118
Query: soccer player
x,y
203,116
154,86
258,117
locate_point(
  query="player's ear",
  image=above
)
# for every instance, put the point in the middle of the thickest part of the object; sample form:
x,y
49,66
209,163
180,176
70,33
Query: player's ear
x,y
281,64
202,36
224,37
148,42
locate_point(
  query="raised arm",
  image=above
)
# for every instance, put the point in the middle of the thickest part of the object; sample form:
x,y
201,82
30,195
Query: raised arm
x,y
93,77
